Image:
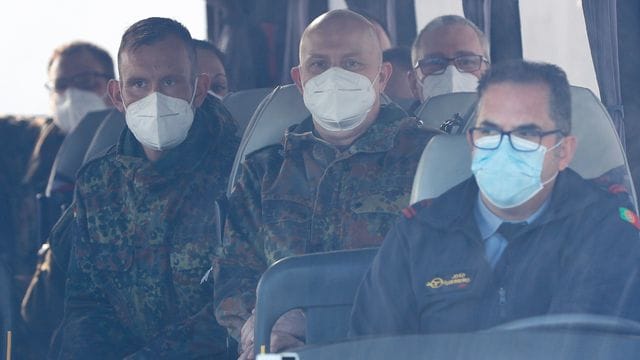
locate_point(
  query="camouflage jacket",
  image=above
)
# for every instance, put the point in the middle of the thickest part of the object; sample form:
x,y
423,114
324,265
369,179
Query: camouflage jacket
x,y
307,196
146,234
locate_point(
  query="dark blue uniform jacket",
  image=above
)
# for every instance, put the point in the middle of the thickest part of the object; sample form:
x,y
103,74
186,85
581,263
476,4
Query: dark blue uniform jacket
x,y
431,275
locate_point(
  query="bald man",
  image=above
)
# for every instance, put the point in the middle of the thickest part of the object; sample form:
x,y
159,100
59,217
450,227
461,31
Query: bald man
x,y
337,181
449,55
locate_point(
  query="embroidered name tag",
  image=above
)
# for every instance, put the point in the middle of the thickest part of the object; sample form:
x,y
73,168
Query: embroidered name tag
x,y
459,280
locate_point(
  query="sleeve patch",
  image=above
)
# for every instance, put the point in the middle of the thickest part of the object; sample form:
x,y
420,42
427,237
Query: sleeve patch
x,y
630,217
410,212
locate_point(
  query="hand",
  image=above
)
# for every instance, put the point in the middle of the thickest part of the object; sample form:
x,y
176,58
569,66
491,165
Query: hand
x,y
287,333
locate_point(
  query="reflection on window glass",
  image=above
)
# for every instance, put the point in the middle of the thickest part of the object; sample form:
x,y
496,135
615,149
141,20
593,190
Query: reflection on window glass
x,y
554,31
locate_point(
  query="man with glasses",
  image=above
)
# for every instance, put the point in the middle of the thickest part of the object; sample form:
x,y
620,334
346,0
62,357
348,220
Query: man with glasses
x,y
78,76
449,55
525,236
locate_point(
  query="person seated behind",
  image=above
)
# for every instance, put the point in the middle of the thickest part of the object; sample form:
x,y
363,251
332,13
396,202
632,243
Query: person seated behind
x,y
398,87
210,61
143,214
449,55
78,76
524,236
337,181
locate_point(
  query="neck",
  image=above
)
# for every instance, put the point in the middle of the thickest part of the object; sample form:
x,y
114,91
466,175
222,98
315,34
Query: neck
x,y
346,138
152,155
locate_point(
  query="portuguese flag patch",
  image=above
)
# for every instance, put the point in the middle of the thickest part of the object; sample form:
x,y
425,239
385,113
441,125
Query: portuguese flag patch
x,y
630,217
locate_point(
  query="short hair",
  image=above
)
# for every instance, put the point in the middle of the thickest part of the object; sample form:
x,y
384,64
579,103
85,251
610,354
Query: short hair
x,y
400,55
449,20
525,72
206,45
76,47
154,29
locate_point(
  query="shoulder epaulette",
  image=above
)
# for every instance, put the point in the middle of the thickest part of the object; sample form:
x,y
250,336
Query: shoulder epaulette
x,y
617,189
411,211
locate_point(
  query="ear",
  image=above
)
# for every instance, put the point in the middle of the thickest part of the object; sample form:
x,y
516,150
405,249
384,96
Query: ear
x,y
414,85
115,95
295,75
202,86
566,151
385,74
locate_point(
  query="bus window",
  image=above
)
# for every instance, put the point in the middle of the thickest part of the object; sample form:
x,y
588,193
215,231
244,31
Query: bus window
x,y
555,32
337,4
429,10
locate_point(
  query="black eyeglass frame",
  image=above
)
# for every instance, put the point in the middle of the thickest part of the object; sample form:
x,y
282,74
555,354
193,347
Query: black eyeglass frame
x,y
455,60
539,134
61,84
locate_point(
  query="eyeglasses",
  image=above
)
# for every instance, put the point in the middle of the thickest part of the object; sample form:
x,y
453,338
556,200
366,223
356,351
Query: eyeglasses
x,y
84,81
482,137
437,65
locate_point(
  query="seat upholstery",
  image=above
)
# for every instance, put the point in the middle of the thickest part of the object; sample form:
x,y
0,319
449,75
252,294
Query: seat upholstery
x,y
71,153
446,160
448,112
106,136
241,104
280,109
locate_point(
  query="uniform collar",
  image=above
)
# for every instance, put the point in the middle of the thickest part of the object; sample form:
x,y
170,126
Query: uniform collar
x,y
208,125
379,137
455,207
488,222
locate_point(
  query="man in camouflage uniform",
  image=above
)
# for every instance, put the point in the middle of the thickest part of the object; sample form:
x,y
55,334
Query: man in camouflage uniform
x,y
144,215
335,182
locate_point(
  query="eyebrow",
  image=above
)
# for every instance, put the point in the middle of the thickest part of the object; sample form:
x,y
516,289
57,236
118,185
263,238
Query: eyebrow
x,y
324,56
456,54
490,124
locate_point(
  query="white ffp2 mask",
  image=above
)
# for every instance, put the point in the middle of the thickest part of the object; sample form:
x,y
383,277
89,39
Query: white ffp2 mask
x,y
450,81
160,122
339,100
73,105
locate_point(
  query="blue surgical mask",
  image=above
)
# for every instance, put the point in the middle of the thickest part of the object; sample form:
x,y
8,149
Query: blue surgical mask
x,y
507,177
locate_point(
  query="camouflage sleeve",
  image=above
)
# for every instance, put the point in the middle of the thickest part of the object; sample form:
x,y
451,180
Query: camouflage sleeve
x,y
241,262
90,325
195,338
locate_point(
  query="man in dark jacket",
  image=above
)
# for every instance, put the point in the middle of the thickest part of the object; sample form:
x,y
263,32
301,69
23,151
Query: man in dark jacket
x,y
144,215
525,236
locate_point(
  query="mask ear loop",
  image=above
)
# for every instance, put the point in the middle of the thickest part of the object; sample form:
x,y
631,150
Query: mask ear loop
x,y
557,172
193,96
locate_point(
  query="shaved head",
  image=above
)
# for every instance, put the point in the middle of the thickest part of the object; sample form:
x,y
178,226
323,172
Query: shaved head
x,y
346,40
340,22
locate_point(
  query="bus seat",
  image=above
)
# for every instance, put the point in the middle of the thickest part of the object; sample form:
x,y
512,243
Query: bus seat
x,y
241,104
323,285
448,112
280,109
71,153
106,135
599,155
59,191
